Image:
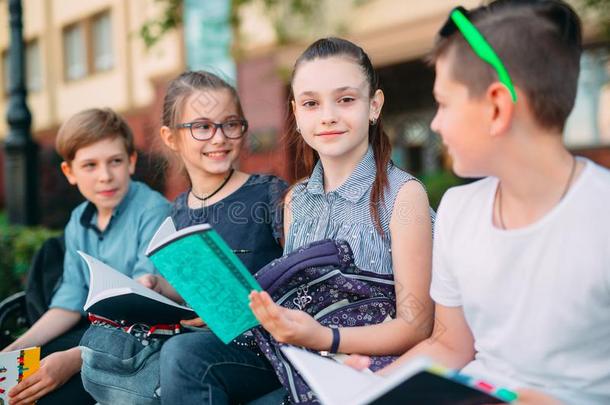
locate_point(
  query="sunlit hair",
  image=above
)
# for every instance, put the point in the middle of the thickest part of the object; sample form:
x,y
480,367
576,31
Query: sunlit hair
x,y
90,126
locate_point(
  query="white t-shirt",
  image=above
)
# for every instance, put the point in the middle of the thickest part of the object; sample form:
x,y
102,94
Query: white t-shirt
x,y
537,299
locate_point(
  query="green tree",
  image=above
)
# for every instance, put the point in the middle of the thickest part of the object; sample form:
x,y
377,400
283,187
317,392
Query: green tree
x,y
171,16
602,9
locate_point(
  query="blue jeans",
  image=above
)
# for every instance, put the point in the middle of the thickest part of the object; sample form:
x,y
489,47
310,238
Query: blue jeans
x,y
118,368
197,368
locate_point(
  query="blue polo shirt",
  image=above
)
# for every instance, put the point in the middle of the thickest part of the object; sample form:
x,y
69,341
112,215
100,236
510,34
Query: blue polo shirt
x,y
121,245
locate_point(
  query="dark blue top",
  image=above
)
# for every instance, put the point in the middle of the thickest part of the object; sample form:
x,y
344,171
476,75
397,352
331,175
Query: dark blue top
x,y
249,220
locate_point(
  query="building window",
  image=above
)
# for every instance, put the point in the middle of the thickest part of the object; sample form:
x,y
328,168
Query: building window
x,y
88,46
75,53
102,42
589,122
33,69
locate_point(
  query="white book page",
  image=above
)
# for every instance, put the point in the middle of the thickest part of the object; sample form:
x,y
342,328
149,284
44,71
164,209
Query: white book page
x,y
337,384
333,383
8,362
9,371
403,373
107,282
166,229
167,233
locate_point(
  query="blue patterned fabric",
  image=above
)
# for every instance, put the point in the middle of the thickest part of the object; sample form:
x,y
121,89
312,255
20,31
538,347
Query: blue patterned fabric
x,y
345,214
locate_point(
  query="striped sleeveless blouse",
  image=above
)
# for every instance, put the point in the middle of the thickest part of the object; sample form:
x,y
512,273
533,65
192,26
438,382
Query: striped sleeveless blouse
x,y
344,213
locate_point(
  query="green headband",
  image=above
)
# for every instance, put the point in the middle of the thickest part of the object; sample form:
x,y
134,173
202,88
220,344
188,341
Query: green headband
x,y
482,48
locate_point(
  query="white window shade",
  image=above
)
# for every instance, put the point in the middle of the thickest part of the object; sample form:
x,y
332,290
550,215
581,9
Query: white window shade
x,y
33,68
102,43
75,53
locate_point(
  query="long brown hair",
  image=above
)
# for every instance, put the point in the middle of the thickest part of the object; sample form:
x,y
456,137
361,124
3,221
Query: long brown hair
x,y
306,156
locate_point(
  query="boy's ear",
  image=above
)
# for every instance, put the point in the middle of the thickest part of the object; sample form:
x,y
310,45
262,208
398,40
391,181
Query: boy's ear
x,y
169,138
133,158
376,105
503,108
66,169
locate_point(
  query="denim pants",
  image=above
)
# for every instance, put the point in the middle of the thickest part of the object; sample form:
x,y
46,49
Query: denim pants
x,y
197,368
119,368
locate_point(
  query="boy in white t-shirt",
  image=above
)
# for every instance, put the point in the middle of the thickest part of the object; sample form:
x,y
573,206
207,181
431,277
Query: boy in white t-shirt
x,y
521,272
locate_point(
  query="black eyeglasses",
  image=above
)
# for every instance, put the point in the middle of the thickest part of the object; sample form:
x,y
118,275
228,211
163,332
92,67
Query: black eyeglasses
x,y
204,130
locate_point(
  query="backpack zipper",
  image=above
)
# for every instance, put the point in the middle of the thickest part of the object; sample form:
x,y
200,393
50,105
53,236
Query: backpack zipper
x,y
307,285
344,304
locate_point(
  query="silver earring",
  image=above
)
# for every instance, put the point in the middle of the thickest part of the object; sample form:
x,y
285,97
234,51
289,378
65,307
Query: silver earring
x,y
298,130
373,121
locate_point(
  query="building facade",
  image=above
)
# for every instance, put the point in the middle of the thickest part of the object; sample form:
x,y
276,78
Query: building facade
x,y
83,54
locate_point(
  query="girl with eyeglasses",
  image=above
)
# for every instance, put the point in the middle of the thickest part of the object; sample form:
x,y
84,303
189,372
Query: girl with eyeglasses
x,y
204,127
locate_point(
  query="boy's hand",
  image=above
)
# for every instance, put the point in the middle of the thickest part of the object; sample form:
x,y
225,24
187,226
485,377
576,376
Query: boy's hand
x,y
196,322
151,281
289,325
358,362
54,371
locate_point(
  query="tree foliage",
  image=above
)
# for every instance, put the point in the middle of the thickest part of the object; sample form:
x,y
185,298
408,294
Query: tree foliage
x,y
602,9
278,10
171,16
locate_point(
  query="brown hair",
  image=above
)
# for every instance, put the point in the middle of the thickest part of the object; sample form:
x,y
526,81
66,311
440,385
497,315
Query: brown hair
x,y
378,139
181,88
90,126
539,42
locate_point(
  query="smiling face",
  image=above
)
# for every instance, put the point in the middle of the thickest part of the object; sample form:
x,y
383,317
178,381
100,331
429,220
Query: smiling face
x,y
332,106
102,173
462,122
216,155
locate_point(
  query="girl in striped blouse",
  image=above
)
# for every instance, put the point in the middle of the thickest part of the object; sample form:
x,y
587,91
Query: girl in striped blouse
x,y
355,193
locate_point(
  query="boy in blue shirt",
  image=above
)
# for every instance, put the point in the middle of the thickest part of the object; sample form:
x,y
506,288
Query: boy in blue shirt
x,y
114,225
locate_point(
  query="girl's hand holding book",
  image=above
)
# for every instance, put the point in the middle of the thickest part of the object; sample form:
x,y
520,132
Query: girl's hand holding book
x,y
289,325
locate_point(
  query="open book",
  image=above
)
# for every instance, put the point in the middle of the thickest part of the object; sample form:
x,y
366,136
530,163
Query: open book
x,y
207,274
116,296
419,381
15,366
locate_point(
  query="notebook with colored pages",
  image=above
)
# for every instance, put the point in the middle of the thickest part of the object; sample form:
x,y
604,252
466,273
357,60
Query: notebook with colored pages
x,y
16,366
199,264
416,382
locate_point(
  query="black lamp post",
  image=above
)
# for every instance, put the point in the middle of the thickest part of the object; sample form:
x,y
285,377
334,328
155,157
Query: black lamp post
x,y
21,153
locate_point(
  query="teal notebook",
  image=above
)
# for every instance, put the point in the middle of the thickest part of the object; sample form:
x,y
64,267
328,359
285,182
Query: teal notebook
x,y
207,274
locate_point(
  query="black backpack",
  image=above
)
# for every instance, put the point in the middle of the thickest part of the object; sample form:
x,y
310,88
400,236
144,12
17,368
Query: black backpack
x,y
45,272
